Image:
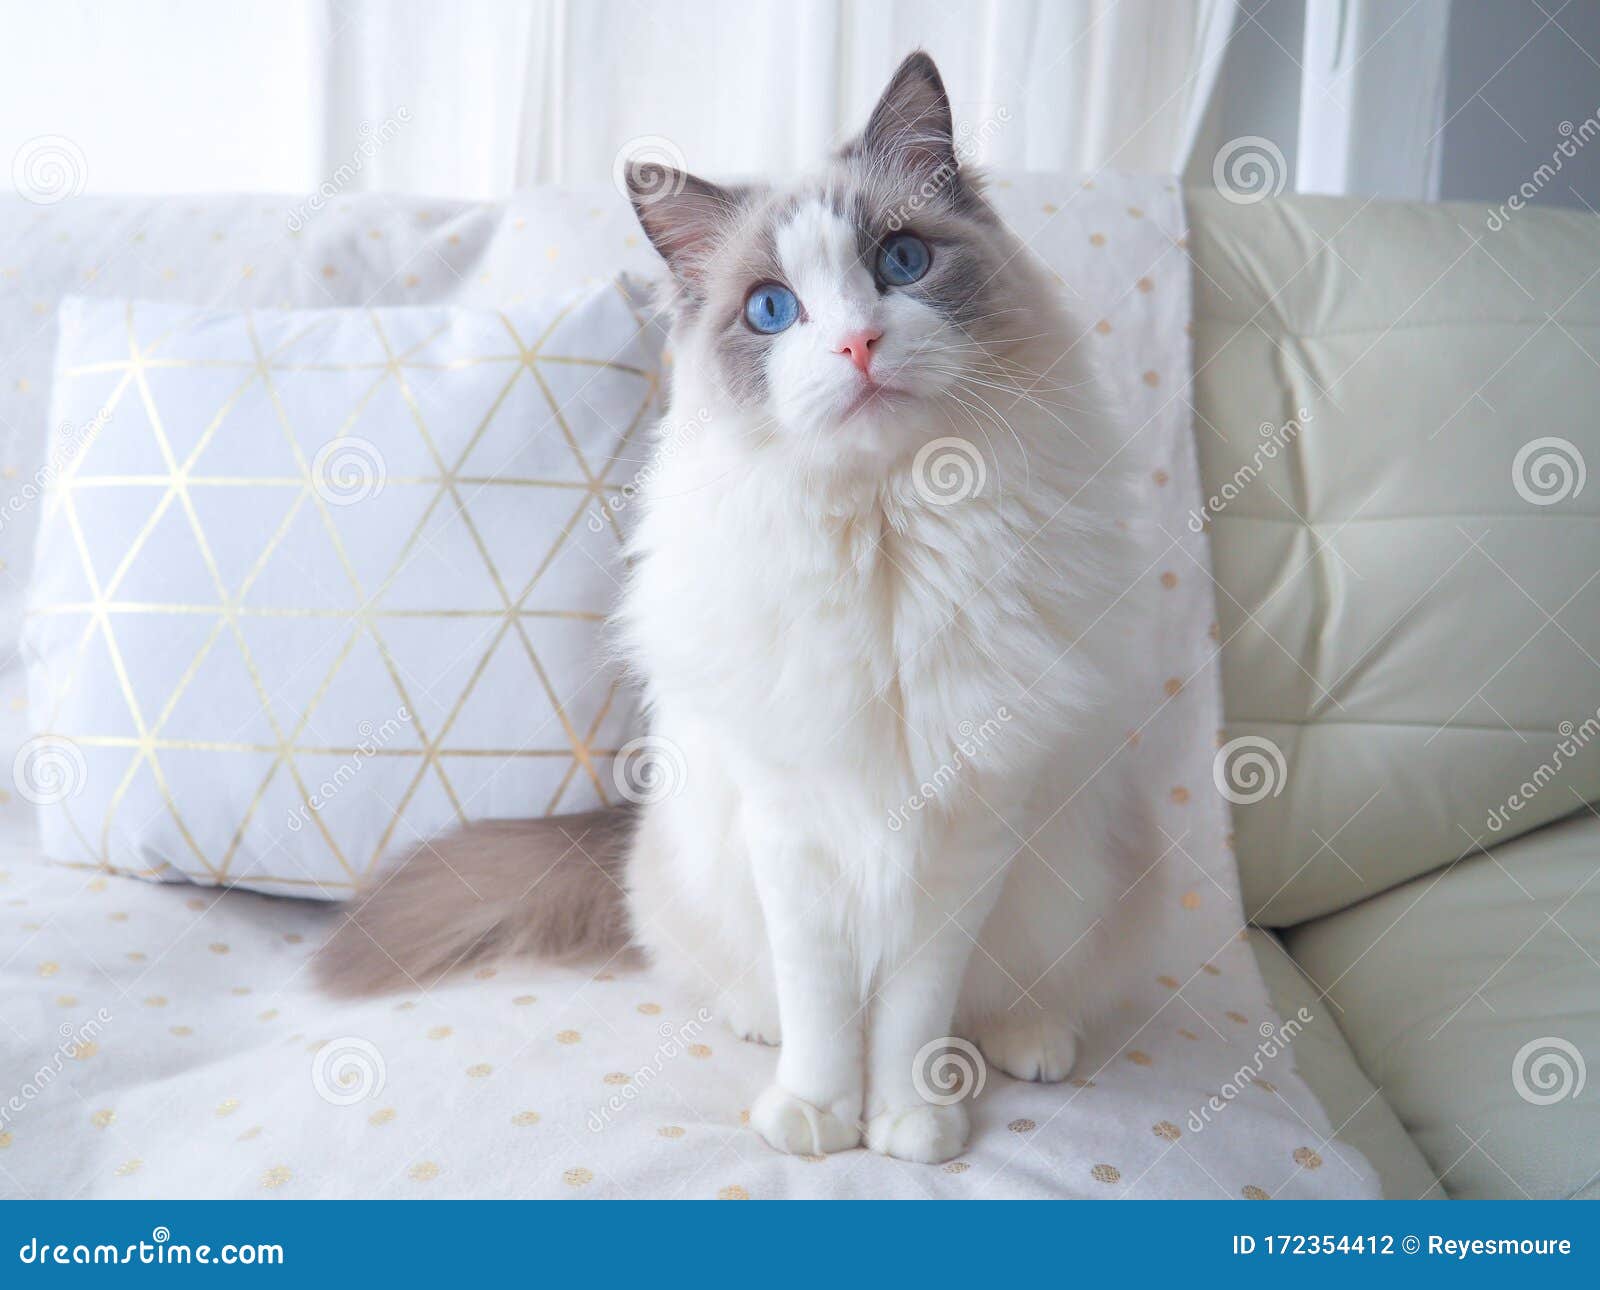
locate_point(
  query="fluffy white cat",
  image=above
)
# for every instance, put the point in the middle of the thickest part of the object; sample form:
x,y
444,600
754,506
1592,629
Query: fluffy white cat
x,y
872,602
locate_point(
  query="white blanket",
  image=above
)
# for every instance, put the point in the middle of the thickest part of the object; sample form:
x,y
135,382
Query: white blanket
x,y
163,1041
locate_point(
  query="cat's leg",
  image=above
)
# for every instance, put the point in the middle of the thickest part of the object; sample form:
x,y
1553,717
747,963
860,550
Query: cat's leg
x,y
815,1105
912,1012
909,1114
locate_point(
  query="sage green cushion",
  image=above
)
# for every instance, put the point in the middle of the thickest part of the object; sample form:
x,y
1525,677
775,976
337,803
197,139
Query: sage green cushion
x,y
1471,998
1406,627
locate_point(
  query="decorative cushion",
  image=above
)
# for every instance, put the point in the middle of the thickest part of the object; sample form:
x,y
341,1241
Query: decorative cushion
x,y
1395,425
288,551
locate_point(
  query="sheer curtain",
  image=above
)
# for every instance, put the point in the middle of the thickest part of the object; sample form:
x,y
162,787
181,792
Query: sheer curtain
x,y
509,94
475,97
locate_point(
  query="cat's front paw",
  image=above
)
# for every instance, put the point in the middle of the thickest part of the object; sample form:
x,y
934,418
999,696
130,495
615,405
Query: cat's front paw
x,y
1031,1048
925,1133
753,1020
795,1126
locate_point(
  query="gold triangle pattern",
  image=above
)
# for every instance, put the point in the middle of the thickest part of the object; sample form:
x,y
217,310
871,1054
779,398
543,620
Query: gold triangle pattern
x,y
283,734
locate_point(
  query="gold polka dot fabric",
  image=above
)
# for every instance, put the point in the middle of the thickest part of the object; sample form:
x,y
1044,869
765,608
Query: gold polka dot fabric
x,y
602,1082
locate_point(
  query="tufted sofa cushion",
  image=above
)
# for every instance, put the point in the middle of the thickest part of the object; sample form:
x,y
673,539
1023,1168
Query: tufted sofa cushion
x,y
1396,416
1472,999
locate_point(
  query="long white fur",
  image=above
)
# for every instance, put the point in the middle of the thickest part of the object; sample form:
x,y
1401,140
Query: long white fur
x,y
820,642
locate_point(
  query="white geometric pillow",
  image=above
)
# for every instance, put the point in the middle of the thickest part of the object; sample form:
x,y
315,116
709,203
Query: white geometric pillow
x,y
314,585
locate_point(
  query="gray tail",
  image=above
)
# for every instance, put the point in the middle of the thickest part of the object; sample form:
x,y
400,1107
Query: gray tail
x,y
496,889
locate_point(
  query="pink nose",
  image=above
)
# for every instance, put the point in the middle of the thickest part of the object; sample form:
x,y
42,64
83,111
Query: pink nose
x,y
857,347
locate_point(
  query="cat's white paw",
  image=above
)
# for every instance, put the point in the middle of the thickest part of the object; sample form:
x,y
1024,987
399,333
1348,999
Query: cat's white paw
x,y
753,1020
925,1133
1031,1048
793,1125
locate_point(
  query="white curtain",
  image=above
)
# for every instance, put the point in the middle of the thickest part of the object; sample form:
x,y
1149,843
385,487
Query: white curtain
x,y
503,93
477,97
473,98
1372,99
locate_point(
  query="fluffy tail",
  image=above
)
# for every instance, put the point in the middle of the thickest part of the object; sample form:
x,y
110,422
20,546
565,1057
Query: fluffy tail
x,y
492,890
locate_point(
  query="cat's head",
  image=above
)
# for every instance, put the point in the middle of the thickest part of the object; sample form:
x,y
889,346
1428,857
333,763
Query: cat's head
x,y
866,303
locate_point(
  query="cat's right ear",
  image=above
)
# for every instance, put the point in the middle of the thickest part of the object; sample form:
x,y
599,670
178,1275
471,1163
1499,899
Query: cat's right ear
x,y
683,216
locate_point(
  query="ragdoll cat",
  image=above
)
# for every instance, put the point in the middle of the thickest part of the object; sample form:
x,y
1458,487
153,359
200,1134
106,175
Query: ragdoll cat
x,y
871,601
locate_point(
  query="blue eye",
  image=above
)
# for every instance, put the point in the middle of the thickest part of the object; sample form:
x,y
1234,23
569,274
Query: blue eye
x,y
903,259
771,308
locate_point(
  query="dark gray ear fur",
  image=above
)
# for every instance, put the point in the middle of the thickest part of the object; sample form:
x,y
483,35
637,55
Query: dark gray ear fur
x,y
683,216
911,126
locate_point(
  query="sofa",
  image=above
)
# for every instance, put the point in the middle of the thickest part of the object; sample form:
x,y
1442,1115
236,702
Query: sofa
x,y
1394,408
1409,608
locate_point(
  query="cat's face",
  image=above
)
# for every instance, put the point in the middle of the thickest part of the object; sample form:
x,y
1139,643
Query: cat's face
x,y
860,309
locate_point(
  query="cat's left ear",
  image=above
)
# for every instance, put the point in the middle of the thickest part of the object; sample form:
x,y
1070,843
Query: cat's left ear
x,y
684,216
911,126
